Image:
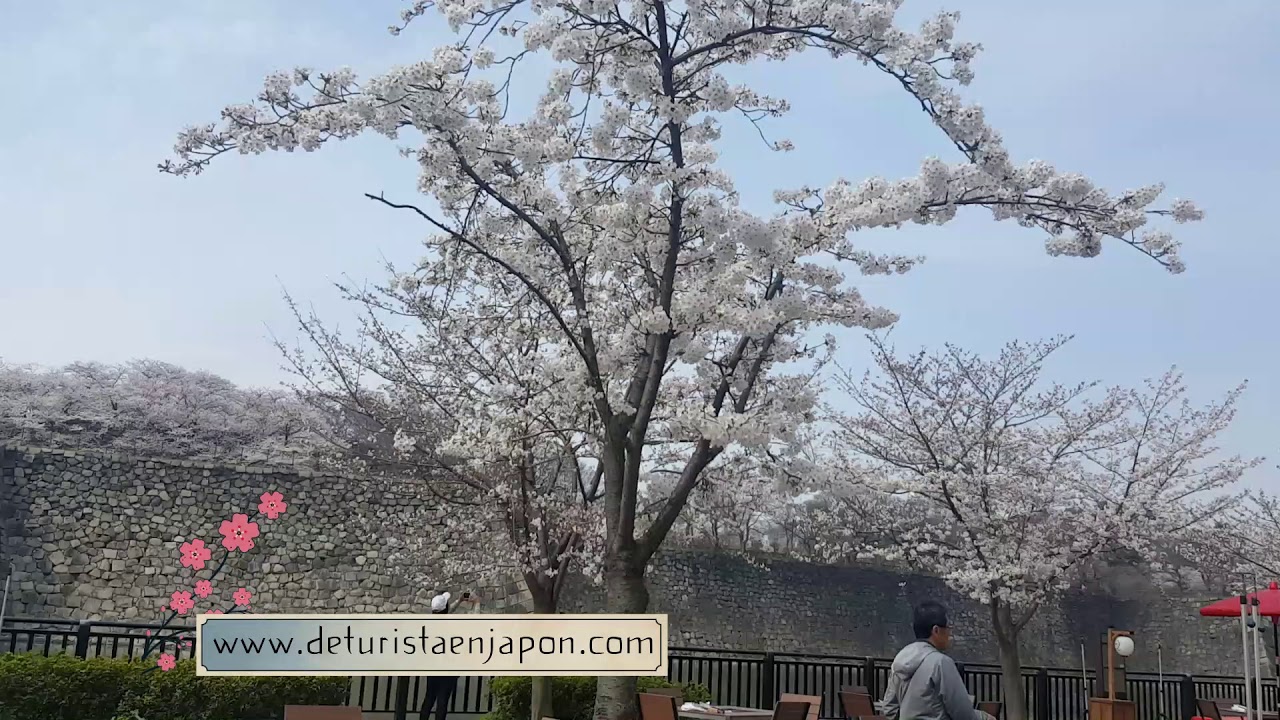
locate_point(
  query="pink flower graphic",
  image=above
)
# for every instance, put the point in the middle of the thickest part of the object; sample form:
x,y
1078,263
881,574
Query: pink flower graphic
x,y
272,505
166,662
194,554
203,588
242,597
214,612
181,602
238,533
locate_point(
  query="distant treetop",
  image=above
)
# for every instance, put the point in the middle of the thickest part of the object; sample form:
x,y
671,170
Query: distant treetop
x,y
150,408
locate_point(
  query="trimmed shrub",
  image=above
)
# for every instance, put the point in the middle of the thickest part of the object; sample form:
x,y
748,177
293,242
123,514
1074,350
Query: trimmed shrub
x,y
572,698
62,687
180,695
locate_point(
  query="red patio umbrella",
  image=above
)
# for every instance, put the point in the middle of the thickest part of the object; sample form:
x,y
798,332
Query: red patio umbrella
x,y
1268,604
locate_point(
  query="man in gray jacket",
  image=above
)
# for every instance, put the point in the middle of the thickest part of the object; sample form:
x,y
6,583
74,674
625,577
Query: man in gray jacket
x,y
924,683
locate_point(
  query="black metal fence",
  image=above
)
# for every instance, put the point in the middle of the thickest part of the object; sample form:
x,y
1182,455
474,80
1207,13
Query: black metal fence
x,y
748,679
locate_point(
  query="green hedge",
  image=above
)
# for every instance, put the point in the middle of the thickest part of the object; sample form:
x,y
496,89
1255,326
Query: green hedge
x,y
572,698
61,687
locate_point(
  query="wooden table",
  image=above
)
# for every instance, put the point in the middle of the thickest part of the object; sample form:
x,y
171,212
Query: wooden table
x,y
728,712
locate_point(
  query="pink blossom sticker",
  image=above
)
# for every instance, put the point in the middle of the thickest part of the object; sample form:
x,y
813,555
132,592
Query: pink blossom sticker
x,y
214,612
195,554
238,533
166,662
272,505
204,588
181,602
242,597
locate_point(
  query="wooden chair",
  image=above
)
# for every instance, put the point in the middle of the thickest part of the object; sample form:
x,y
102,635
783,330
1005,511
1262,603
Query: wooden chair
x,y
789,710
856,705
1223,707
658,707
675,692
1207,709
322,712
815,703
860,689
992,708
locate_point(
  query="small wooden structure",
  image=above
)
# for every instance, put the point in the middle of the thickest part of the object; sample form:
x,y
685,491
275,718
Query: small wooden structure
x,y
1114,705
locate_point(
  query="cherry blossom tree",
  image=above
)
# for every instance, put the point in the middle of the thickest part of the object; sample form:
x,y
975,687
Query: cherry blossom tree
x,y
474,427
795,530
676,319
737,506
154,409
1004,485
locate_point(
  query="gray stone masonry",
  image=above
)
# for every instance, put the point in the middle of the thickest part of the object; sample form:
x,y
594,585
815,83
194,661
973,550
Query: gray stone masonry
x,y
96,536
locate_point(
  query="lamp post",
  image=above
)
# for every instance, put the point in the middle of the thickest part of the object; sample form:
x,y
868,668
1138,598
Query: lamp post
x,y
1119,644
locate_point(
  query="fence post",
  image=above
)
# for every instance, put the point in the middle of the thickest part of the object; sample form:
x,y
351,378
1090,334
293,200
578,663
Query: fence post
x,y
767,692
83,631
869,677
1043,701
402,698
1187,697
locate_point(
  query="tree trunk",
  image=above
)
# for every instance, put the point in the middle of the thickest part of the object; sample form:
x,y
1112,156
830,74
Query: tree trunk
x,y
540,698
1015,698
625,593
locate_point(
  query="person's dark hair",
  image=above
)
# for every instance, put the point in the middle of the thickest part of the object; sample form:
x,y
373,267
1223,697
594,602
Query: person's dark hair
x,y
926,616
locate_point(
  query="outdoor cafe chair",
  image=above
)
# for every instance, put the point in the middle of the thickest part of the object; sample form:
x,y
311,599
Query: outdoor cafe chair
x,y
856,705
789,710
1207,709
675,692
1221,709
657,707
1217,707
815,703
860,689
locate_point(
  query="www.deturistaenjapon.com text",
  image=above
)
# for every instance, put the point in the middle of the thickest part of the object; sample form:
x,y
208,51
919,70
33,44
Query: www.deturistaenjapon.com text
x,y
420,640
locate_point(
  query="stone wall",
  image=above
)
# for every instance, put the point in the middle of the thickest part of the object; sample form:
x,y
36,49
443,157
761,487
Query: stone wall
x,y
782,606
97,536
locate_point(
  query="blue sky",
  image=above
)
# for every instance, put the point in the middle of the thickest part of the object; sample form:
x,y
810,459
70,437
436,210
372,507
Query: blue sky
x,y
104,258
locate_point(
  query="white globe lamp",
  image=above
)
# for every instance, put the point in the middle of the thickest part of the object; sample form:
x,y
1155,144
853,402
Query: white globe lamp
x,y
1124,646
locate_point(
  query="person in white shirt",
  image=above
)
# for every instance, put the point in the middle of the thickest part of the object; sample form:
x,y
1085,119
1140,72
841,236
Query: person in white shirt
x,y
440,689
